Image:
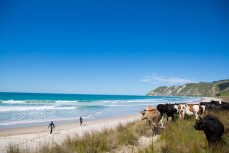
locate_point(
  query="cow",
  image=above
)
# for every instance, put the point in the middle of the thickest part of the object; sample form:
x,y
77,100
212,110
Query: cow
x,y
190,109
175,106
151,116
211,103
224,102
225,106
215,102
206,105
213,129
167,109
203,107
218,107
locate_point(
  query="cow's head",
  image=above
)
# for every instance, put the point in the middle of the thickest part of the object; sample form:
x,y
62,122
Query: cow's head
x,y
143,113
199,124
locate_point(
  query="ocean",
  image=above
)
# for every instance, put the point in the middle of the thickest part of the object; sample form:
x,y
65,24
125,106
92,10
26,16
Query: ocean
x,y
34,109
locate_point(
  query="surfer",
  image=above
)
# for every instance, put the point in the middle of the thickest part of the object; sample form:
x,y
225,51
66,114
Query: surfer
x,y
51,125
81,120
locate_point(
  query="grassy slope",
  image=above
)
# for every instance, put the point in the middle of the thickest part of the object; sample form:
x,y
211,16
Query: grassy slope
x,y
196,89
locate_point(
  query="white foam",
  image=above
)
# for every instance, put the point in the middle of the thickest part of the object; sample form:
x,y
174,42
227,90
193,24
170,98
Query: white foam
x,y
127,101
40,121
37,101
13,101
28,108
118,105
66,101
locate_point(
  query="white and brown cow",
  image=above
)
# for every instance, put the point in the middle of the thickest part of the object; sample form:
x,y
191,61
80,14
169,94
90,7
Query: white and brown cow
x,y
190,109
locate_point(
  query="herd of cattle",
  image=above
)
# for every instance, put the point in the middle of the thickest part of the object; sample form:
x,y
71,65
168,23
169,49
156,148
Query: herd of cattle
x,y
210,124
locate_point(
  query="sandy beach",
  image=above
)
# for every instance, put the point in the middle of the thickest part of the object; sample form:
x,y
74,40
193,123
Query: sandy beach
x,y
33,137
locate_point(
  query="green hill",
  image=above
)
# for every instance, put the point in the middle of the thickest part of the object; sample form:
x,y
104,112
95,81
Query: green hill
x,y
216,88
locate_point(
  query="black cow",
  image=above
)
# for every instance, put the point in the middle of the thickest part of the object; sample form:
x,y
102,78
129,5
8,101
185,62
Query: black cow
x,y
210,103
167,109
222,102
218,107
225,106
213,129
205,103
215,102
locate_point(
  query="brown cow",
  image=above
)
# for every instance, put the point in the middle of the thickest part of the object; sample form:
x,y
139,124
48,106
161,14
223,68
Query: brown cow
x,y
151,116
190,109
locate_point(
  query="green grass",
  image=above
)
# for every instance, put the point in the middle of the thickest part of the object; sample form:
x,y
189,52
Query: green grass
x,y
180,137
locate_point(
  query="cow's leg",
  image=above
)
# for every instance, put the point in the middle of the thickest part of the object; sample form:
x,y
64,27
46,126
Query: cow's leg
x,y
155,125
161,121
155,129
196,115
173,120
183,114
150,122
180,115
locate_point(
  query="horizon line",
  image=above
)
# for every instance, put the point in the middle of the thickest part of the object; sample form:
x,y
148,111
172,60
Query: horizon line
x,y
68,93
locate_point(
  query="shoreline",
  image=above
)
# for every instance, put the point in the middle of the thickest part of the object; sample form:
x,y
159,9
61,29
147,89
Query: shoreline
x,y
63,126
57,122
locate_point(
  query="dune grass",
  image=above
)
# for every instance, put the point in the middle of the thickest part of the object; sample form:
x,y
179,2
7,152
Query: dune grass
x,y
181,137
176,137
107,140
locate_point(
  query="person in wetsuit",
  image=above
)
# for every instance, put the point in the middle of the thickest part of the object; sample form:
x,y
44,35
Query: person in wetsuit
x,y
51,125
81,120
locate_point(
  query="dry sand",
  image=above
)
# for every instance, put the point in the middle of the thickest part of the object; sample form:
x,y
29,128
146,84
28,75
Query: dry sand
x,y
34,137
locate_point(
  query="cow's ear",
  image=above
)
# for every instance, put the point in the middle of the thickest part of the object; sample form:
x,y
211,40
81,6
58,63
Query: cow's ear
x,y
142,112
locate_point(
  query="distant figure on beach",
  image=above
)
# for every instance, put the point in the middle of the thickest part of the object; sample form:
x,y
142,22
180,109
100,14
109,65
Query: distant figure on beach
x,y
81,120
51,125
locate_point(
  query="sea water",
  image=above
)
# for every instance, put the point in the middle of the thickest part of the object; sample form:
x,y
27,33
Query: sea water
x,y
33,109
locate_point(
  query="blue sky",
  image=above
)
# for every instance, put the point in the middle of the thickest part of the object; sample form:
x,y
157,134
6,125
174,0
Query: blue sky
x,y
111,47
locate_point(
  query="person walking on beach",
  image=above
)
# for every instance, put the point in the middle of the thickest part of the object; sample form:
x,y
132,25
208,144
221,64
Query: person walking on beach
x,y
51,125
81,120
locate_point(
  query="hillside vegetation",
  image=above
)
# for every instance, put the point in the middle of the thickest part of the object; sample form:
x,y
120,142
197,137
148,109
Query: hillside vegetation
x,y
216,88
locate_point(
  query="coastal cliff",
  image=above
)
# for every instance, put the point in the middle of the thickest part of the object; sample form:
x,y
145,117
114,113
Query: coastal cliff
x,y
216,88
